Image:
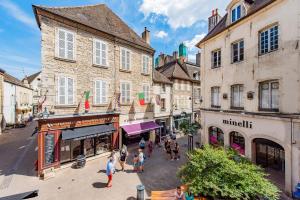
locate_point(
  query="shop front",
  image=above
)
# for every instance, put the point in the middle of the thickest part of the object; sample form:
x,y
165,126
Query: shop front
x,y
178,119
62,139
268,141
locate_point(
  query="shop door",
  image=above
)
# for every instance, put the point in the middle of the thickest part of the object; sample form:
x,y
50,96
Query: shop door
x,y
89,147
76,148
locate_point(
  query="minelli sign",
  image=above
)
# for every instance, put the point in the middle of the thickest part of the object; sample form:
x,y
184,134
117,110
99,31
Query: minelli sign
x,y
243,124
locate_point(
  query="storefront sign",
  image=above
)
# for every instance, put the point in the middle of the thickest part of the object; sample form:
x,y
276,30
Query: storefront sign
x,y
243,124
49,149
77,123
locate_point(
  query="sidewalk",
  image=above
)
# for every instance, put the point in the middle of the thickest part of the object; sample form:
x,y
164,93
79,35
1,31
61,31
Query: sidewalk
x,y
89,182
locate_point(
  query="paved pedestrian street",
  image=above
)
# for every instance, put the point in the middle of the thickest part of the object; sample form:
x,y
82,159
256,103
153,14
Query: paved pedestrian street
x,y
89,182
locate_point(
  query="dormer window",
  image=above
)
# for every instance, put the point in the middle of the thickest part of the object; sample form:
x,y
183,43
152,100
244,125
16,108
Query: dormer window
x,y
236,13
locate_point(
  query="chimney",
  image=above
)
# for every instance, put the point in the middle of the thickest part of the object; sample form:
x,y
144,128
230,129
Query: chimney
x,y
25,82
175,55
146,36
213,20
198,59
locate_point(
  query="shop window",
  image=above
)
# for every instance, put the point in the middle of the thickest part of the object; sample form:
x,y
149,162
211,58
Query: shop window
x,y
103,144
269,96
215,97
237,96
89,146
216,136
237,49
65,151
237,142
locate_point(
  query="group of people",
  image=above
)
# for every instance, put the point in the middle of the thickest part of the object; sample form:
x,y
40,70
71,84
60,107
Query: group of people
x,y
138,160
172,148
180,195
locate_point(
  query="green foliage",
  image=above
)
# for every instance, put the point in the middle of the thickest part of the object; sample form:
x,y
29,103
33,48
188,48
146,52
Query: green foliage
x,y
214,173
188,128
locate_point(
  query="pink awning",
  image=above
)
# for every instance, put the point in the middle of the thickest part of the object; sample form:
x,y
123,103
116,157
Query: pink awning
x,y
135,129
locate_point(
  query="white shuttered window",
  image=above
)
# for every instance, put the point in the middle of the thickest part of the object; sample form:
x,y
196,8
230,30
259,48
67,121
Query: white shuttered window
x,y
145,64
101,89
65,45
125,59
146,90
100,53
65,91
125,92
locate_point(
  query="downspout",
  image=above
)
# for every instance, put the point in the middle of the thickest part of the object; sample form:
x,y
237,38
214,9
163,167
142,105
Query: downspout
x,y
292,141
193,119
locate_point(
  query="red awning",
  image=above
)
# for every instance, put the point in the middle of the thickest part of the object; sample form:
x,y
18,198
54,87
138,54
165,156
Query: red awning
x,y
135,129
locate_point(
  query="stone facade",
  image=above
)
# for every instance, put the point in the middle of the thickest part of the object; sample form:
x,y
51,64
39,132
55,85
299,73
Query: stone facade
x,y
85,73
280,126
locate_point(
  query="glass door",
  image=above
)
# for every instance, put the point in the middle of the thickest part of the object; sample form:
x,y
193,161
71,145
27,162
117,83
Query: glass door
x,y
65,151
89,146
76,149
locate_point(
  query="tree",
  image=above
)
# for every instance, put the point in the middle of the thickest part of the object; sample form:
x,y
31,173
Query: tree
x,y
188,128
217,173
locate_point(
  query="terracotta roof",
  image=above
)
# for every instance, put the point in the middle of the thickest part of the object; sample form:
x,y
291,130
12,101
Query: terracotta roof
x,y
32,77
174,70
10,79
160,78
255,6
98,17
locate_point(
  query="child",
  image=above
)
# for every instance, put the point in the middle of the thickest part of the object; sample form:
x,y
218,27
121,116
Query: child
x,y
176,151
135,162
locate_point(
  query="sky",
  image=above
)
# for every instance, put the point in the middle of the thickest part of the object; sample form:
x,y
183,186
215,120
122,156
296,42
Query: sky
x,y
170,22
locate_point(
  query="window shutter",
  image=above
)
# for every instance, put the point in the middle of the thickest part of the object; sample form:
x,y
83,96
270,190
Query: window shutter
x,y
128,60
103,54
97,92
103,92
70,91
128,93
61,43
61,90
70,46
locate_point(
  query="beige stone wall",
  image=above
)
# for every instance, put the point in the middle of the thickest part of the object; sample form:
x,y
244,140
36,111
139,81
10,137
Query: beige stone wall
x,y
182,93
84,73
282,64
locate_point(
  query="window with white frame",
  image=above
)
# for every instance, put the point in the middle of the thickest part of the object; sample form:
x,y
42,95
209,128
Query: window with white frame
x,y
65,91
236,13
146,91
145,64
269,95
237,96
100,51
215,97
125,92
125,59
216,58
65,44
101,90
268,40
237,49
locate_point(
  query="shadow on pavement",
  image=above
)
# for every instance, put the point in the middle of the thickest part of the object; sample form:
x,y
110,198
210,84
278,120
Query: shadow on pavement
x,y
131,198
99,185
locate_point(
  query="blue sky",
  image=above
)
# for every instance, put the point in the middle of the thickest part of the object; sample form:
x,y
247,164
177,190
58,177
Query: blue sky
x,y
170,22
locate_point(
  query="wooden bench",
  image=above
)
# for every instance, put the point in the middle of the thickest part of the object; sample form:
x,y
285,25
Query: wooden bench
x,y
168,194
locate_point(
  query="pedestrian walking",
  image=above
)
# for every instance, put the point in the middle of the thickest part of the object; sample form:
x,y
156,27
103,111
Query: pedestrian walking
x,y
109,171
141,160
135,163
114,161
123,157
176,151
150,148
142,143
169,150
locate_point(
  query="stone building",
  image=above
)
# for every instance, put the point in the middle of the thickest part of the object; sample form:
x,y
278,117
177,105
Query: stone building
x,y
162,88
185,94
90,56
17,101
250,84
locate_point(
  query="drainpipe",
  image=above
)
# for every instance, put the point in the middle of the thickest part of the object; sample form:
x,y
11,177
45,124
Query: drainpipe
x,y
292,141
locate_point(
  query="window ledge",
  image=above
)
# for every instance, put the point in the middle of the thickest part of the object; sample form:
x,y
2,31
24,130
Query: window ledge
x,y
64,59
100,105
124,70
100,66
218,107
145,74
269,109
65,106
216,67
237,62
236,108
125,104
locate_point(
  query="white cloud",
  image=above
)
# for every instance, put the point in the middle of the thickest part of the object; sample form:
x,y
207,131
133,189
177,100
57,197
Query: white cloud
x,y
182,13
161,34
191,43
17,13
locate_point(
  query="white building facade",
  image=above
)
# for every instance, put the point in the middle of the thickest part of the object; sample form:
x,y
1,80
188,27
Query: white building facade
x,y
250,84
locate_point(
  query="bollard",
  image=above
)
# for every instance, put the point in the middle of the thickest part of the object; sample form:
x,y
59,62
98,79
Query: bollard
x,y
140,192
